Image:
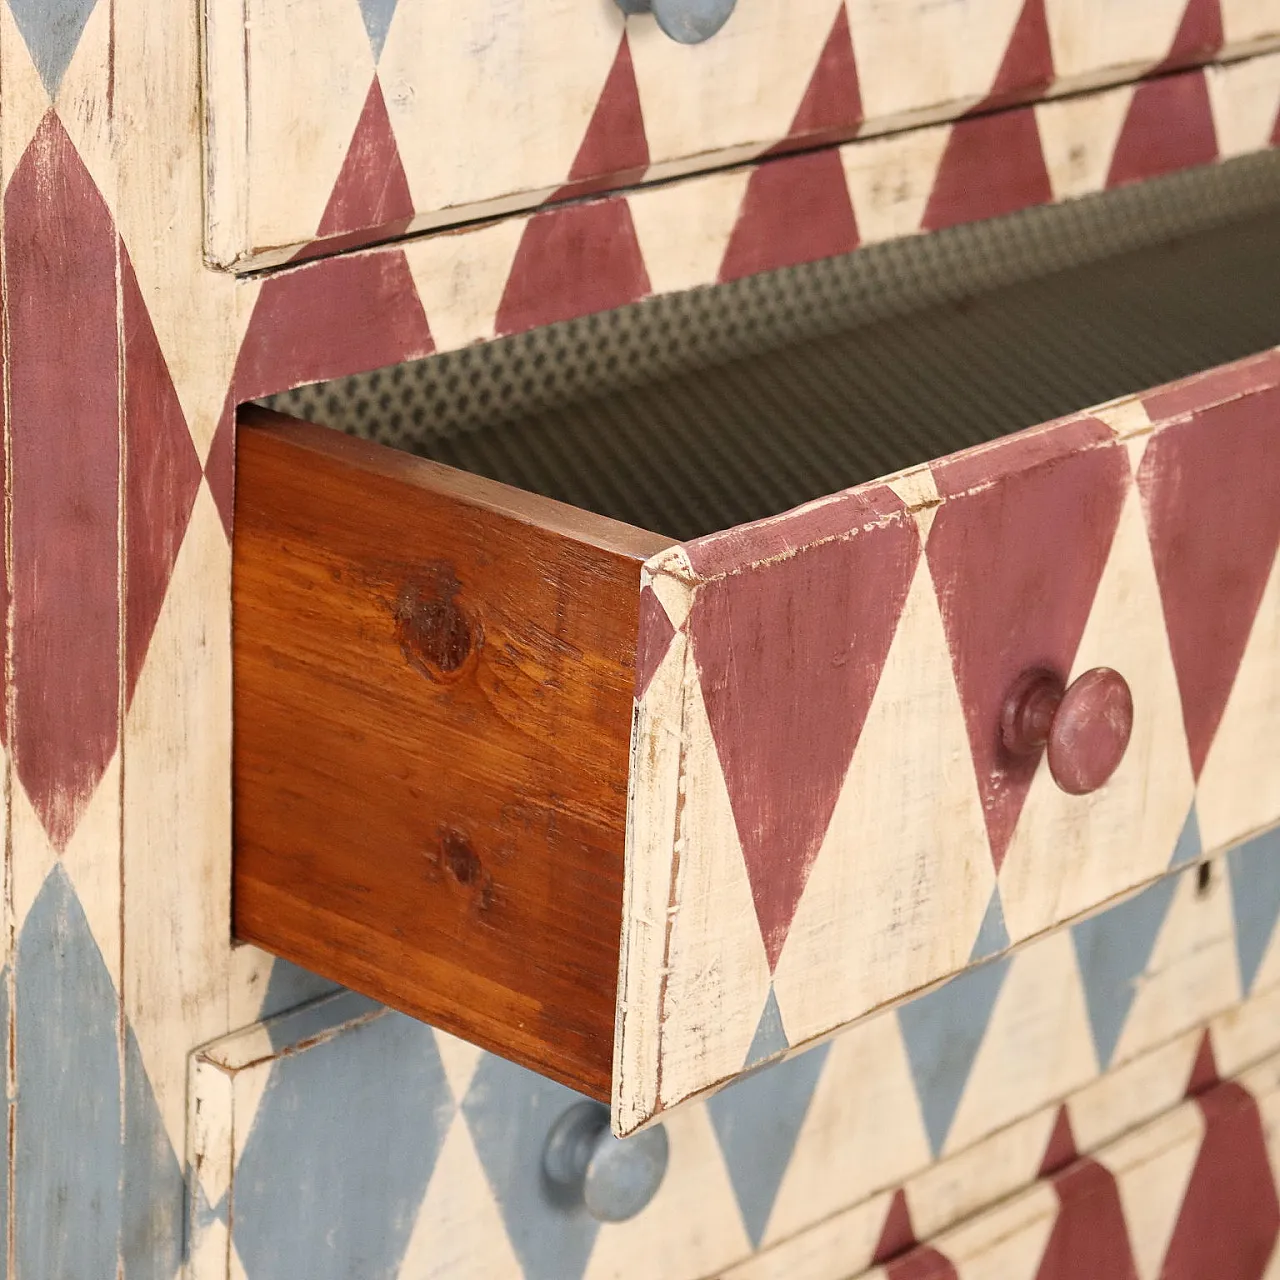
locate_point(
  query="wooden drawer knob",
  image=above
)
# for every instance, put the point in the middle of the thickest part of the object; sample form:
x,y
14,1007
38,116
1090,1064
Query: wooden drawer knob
x,y
686,21
614,1178
1086,727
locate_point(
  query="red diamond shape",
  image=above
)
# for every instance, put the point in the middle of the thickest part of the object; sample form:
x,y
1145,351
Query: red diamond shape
x,y
789,654
1011,600
162,474
1230,1219
64,397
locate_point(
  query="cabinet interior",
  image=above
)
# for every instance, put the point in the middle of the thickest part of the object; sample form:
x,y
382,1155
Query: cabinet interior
x,y
689,413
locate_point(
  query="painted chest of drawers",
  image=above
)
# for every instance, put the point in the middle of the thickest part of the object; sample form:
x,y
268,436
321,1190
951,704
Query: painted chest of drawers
x,y
819,849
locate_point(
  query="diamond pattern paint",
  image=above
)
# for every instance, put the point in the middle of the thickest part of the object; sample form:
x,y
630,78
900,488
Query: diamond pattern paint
x,y
838,1161
771,648
67,1157
832,104
1144,149
64,469
1188,848
358,1167
1112,950
290,986
371,190
615,142
1089,1236
655,637
510,1113
1061,1148
1253,870
942,1030
757,1120
52,30
1230,1216
1019,606
1027,69
377,15
993,937
811,197
785,76
153,1189
770,1040
364,306
1183,476
356,311
1019,179
162,474
814,193
1199,32
589,246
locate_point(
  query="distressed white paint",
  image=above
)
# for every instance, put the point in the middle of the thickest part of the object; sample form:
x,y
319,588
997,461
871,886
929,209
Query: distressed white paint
x,y
283,96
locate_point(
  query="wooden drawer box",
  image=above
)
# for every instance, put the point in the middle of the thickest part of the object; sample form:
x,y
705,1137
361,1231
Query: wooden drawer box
x,y
644,814
371,119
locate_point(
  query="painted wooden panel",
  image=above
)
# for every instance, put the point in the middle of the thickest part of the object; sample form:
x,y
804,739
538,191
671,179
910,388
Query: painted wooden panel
x,y
409,1153
116,912
1191,1194
360,311
823,819
366,121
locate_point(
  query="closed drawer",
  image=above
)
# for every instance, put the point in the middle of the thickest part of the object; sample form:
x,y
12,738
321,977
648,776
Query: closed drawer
x,y
644,814
363,119
434,1151
1192,1193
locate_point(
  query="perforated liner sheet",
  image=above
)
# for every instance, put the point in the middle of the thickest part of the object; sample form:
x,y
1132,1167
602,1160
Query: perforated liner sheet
x,y
690,413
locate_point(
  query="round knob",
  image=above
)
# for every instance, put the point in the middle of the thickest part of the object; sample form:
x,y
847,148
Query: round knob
x,y
613,1177
687,21
1086,727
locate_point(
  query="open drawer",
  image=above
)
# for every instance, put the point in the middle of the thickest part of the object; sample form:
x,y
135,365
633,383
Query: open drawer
x,y
643,813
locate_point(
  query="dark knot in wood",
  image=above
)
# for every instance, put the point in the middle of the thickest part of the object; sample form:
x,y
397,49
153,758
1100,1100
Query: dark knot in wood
x,y
435,635
458,857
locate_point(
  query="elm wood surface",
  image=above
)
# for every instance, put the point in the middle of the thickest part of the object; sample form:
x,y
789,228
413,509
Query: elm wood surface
x,y
433,693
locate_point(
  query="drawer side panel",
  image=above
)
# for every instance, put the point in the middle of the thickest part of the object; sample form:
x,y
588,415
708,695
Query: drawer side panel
x,y
432,703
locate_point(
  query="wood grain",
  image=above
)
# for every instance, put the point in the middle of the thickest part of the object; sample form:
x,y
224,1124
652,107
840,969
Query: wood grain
x,y
433,695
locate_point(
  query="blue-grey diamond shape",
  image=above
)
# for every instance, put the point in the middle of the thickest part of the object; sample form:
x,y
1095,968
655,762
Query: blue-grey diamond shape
x,y
993,936
289,986
377,15
1188,848
510,1112
341,1150
67,1142
319,1017
770,1039
154,1191
1254,872
52,30
942,1031
1112,950
757,1120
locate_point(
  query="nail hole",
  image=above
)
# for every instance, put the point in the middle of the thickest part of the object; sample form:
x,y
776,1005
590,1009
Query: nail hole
x,y
1204,878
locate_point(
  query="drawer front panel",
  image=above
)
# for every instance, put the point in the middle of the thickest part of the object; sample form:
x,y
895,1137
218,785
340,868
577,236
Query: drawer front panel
x,y
823,818
796,1172
367,119
1193,1193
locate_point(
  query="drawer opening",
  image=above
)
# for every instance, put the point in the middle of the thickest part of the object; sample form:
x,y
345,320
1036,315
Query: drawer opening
x,y
690,414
